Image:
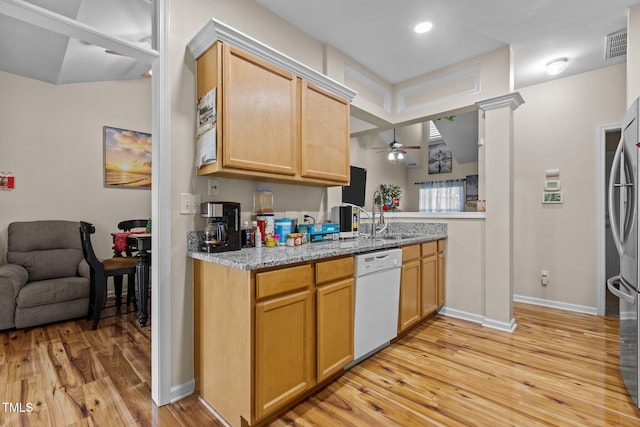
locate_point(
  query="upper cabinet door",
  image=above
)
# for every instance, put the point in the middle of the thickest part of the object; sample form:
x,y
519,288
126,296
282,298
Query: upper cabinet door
x,y
325,135
259,115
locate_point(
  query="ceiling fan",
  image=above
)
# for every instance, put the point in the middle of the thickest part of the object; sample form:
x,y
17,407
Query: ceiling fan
x,y
396,149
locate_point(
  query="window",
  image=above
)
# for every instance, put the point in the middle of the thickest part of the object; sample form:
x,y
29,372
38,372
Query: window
x,y
442,196
434,133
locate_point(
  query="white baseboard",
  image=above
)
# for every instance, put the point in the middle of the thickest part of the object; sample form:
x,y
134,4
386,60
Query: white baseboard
x,y
463,315
476,318
183,390
500,325
557,304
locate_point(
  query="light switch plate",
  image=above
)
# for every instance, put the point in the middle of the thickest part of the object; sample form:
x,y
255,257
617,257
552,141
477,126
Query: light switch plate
x,y
188,204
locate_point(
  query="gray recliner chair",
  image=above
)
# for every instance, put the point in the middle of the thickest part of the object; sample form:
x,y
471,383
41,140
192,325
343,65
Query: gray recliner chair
x,y
46,278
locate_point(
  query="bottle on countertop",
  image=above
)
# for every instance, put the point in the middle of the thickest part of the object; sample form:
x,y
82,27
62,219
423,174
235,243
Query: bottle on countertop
x,y
245,235
252,237
258,238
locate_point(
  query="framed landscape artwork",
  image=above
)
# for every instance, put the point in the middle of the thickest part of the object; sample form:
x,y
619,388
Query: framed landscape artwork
x,y
127,158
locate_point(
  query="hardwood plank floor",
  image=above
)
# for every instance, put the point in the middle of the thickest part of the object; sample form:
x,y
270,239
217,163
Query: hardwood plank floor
x,y
558,368
65,374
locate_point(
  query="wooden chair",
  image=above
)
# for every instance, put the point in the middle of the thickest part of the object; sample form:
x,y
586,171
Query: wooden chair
x,y
130,225
124,226
101,270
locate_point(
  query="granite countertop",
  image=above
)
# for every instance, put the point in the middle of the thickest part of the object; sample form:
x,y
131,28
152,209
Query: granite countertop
x,y
256,258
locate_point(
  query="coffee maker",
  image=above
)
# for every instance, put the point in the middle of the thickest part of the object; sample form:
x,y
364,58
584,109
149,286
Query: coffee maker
x,y
222,232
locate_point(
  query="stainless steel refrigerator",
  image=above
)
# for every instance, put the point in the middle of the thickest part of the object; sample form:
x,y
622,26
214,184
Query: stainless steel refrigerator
x,y
624,191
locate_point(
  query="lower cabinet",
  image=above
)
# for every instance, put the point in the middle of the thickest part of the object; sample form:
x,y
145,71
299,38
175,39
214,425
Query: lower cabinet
x,y
410,279
284,347
334,328
429,286
264,339
441,269
421,282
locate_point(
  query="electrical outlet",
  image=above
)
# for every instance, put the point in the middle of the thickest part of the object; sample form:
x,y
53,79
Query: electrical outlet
x,y
188,204
213,187
544,277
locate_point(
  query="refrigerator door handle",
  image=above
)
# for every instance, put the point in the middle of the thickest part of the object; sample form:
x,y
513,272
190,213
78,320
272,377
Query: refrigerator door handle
x,y
629,298
615,168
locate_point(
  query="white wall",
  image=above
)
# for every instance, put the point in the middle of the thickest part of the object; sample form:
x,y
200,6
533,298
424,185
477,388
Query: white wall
x,y
557,128
52,142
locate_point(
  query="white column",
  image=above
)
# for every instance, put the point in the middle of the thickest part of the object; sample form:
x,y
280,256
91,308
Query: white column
x,y
498,157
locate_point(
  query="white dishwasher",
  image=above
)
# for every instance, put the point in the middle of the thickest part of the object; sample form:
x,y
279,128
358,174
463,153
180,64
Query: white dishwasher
x,y
377,300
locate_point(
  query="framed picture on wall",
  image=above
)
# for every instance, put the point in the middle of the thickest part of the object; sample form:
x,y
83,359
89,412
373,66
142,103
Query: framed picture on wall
x,y
440,158
127,158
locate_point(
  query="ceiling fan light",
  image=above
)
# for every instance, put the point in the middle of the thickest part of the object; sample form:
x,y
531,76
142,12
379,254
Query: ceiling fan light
x,y
400,155
557,66
391,156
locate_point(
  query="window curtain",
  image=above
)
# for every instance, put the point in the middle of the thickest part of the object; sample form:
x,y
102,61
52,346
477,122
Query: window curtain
x,y
442,196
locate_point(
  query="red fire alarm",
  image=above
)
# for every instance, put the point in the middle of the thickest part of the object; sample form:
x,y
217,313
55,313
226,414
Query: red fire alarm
x,y
7,181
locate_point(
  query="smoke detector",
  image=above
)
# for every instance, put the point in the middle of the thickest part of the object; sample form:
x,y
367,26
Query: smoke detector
x,y
616,44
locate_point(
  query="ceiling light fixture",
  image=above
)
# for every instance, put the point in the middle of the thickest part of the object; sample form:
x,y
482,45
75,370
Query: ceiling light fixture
x,y
391,156
400,155
423,27
557,66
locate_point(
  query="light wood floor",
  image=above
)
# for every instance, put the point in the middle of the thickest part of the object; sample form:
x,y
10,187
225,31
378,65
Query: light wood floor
x,y
558,368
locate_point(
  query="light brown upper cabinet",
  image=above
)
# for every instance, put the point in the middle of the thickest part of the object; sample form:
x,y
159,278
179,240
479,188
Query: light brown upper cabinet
x,y
259,115
277,120
325,135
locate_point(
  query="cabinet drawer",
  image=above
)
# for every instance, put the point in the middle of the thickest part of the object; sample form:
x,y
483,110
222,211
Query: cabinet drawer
x,y
441,243
410,252
429,248
328,271
275,282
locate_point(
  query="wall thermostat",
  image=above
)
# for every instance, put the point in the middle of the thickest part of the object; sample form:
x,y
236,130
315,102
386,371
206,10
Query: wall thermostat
x,y
552,172
552,185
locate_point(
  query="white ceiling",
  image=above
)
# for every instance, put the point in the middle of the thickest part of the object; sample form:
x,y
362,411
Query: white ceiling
x,y
41,54
379,33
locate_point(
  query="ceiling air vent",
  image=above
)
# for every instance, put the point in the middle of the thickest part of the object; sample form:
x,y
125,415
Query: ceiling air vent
x,y
616,44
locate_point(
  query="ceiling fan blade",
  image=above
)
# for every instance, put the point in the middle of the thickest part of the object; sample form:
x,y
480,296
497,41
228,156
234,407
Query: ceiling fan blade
x,y
411,147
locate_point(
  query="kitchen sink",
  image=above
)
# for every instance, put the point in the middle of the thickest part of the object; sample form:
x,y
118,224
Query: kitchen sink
x,y
398,236
389,236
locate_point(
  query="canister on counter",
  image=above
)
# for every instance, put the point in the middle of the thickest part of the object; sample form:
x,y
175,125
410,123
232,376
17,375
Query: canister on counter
x,y
283,228
263,201
269,226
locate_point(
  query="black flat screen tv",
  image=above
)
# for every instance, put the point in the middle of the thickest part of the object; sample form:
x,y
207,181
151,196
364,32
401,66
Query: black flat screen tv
x,y
354,192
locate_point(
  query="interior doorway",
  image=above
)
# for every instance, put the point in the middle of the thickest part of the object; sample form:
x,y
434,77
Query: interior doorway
x,y
611,257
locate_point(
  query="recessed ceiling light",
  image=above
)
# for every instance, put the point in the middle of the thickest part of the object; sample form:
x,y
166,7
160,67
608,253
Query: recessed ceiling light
x,y
423,27
557,66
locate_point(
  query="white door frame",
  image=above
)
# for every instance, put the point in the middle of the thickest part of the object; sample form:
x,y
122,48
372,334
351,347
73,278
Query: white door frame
x,y
601,204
